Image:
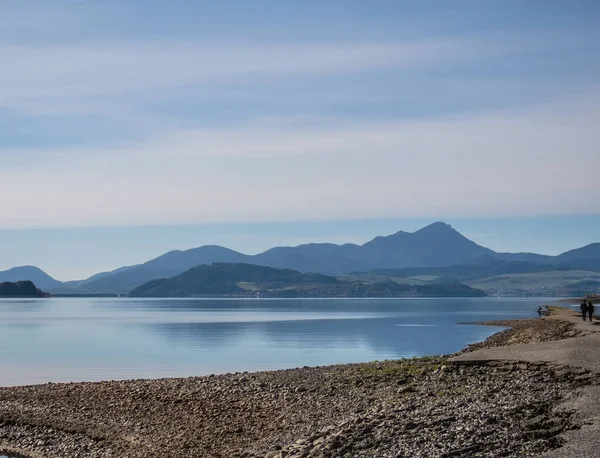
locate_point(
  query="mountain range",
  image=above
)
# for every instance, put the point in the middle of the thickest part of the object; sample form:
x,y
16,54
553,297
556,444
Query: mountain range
x,y
434,248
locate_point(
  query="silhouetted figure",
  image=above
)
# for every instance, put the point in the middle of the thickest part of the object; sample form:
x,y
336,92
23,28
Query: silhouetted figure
x,y
540,310
583,308
590,310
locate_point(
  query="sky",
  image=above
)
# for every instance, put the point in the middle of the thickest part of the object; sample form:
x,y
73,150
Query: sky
x,y
129,128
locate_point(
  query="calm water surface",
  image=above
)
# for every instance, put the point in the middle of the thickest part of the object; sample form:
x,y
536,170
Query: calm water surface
x,y
104,339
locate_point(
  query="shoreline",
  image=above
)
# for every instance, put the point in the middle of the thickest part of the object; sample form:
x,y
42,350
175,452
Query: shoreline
x,y
413,406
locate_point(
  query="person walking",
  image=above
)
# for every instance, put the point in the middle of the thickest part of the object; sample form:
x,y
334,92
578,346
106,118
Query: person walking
x,y
583,308
590,309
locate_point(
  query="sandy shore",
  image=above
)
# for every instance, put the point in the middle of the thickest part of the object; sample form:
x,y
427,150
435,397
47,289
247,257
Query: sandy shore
x,y
426,407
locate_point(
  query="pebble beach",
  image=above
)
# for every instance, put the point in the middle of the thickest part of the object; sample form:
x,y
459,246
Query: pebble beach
x,y
422,407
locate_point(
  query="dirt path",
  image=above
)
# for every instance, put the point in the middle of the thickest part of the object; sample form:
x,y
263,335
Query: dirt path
x,y
581,351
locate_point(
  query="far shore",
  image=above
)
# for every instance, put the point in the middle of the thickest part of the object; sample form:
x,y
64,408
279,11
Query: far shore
x,y
593,299
551,299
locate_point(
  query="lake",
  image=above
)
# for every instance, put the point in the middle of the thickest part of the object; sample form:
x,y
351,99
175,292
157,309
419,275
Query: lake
x,y
88,339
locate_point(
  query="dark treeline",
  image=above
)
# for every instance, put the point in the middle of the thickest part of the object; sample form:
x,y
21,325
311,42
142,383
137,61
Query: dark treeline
x,y
248,280
20,289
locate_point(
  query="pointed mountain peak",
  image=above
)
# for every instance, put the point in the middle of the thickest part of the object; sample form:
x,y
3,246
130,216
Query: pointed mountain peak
x,y
438,227
435,230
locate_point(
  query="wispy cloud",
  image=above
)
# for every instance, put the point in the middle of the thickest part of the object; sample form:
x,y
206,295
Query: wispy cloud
x,y
131,87
535,162
129,68
65,78
143,128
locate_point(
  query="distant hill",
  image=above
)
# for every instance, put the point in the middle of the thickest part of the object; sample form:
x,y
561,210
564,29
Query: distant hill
x,y
31,273
531,258
19,289
548,283
470,271
222,279
437,250
435,245
582,288
168,265
580,264
326,258
225,278
591,251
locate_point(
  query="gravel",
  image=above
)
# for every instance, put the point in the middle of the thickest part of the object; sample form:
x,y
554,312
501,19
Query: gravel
x,y
425,407
526,332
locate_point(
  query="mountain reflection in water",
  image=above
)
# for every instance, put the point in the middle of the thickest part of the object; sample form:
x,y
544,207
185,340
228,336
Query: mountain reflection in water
x,y
76,339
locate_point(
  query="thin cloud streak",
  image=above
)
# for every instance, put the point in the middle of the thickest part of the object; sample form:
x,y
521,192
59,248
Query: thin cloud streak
x,y
84,70
93,71
538,162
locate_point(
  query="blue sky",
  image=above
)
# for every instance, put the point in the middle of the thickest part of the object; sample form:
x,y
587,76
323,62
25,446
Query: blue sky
x,y
128,128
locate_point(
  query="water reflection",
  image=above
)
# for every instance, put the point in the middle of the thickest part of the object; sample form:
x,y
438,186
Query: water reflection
x,y
382,336
98,339
22,306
